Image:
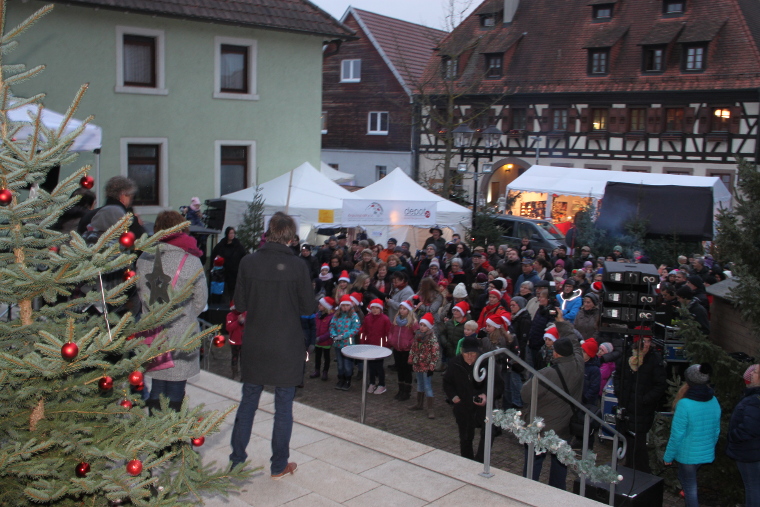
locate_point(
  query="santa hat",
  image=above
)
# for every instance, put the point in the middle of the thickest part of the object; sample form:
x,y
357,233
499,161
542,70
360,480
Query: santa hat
x,y
344,277
495,292
376,302
463,307
409,305
507,318
345,299
590,347
357,298
428,320
232,304
494,321
325,267
327,302
597,286
640,328
551,332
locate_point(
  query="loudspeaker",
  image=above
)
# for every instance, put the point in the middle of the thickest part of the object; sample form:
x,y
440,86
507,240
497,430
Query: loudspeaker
x,y
637,489
215,210
629,293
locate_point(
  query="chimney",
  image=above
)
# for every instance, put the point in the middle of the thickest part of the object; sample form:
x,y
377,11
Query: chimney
x,y
510,7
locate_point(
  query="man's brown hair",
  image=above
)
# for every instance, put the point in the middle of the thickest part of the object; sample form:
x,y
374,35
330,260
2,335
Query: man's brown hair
x,y
282,228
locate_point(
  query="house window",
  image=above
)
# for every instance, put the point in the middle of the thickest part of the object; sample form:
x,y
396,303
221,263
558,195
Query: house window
x,y
727,177
140,61
233,169
598,61
720,120
493,64
518,119
599,119
673,6
638,119
144,167
603,12
378,123
488,20
323,120
235,68
694,57
686,171
636,169
674,119
350,71
559,119
381,171
449,67
654,59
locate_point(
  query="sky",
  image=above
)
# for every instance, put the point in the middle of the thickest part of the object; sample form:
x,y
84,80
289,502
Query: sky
x,y
424,12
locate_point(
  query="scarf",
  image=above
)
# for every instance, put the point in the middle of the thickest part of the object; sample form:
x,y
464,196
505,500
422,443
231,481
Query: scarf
x,y
636,360
325,276
183,241
699,392
401,322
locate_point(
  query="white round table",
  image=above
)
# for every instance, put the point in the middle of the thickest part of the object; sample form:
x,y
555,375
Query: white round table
x,y
365,353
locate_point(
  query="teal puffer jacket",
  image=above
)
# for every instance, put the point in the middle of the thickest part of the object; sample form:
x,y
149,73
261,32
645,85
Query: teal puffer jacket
x,y
694,432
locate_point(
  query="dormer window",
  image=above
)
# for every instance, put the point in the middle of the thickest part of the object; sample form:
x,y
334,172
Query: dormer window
x,y
494,64
449,67
602,12
673,7
488,21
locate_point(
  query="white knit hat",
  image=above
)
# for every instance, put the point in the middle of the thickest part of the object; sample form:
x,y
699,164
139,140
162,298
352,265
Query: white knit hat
x,y
460,291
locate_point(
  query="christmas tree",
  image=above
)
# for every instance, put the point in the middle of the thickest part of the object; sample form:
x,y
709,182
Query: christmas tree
x,y
73,427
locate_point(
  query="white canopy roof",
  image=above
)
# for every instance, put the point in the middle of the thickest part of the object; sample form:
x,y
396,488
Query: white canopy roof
x,y
592,182
335,175
89,140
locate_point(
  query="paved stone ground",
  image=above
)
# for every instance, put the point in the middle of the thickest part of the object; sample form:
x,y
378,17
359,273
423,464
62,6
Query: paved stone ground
x,y
387,414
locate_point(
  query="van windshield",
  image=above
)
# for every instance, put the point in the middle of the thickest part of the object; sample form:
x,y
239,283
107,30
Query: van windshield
x,y
549,231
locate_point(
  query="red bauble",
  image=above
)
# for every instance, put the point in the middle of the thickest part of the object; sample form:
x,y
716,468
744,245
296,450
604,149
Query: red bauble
x,y
218,341
127,240
136,378
140,386
129,274
197,442
82,469
6,196
53,249
218,261
87,182
126,403
105,383
69,351
134,467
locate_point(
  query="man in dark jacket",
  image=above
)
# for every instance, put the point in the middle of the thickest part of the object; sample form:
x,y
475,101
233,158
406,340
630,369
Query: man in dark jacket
x,y
511,266
275,289
312,264
686,297
120,192
528,275
568,362
469,398
744,436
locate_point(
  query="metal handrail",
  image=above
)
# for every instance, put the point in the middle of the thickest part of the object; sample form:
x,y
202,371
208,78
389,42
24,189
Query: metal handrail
x,y
618,451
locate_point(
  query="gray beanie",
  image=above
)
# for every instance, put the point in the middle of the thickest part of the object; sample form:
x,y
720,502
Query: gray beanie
x,y
697,374
460,291
520,301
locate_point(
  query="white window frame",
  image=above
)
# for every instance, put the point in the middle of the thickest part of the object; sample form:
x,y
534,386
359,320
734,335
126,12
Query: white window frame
x,y
160,88
252,46
375,132
323,121
352,78
251,174
163,170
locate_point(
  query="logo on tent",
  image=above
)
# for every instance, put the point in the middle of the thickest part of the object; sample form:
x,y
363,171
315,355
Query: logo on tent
x,y
375,209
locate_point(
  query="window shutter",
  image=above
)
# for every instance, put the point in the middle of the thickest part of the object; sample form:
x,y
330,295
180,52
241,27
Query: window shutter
x,y
704,117
612,120
584,120
572,115
545,120
689,116
734,125
622,122
506,119
654,120
530,118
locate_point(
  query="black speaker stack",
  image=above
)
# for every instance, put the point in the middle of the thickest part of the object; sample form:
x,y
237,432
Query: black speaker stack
x,y
215,210
637,489
629,295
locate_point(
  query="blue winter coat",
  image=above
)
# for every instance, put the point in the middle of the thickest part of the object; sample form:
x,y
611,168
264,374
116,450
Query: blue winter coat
x,y
694,432
744,428
592,378
570,307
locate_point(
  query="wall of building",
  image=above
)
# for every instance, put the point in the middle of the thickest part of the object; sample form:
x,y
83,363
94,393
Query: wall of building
x,y
364,164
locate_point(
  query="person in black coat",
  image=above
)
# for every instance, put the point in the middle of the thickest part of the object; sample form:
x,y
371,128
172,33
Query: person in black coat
x,y
469,397
744,437
538,326
640,382
312,264
232,251
521,323
686,297
120,192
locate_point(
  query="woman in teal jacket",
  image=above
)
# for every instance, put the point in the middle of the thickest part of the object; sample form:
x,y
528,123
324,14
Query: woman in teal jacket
x,y
695,429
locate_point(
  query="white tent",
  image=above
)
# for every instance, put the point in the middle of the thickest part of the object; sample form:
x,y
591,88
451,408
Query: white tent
x,y
302,192
399,186
338,177
88,140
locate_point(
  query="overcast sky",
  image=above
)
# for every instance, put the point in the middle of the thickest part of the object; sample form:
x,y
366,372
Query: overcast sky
x,y
424,12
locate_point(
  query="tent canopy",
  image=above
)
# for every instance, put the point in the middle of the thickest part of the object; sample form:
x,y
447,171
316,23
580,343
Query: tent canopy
x,y
339,177
89,140
591,182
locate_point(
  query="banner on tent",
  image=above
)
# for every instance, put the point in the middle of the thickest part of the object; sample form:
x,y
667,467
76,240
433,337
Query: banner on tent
x,y
377,212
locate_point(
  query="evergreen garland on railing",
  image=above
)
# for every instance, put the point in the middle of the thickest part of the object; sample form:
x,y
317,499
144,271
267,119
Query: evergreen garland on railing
x,y
511,420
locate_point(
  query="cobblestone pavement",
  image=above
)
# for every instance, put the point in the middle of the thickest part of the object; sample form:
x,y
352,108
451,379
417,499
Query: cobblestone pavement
x,y
387,414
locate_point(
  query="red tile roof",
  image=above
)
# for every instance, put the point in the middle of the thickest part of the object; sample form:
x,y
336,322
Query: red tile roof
x,y
289,15
548,37
407,47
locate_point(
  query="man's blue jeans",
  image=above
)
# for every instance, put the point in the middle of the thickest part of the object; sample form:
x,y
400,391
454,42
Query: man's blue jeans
x,y
687,476
283,425
750,473
557,472
345,364
172,389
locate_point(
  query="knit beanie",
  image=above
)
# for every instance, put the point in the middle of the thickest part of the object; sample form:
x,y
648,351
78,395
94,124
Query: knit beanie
x,y
697,374
590,347
470,344
498,284
460,291
748,373
520,301
605,348
563,347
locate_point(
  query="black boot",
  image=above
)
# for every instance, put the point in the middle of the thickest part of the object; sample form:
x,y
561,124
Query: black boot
x,y
347,384
340,383
175,405
152,405
400,392
406,392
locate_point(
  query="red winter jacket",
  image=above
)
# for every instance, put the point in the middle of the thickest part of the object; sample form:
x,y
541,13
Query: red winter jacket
x,y
401,337
374,330
322,322
235,328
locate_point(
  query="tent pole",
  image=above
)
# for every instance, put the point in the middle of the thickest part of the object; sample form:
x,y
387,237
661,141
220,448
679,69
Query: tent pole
x,y
549,201
287,202
97,175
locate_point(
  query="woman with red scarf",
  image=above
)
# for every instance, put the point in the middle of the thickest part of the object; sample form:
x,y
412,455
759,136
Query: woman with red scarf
x,y
494,306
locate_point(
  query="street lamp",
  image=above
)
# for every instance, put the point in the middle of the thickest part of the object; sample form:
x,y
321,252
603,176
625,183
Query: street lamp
x,y
463,139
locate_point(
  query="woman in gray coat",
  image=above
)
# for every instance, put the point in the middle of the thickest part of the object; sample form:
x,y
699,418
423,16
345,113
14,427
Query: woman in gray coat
x,y
176,261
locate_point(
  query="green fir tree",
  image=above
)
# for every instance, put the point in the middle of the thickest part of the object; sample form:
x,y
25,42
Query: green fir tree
x,y
66,436
251,228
